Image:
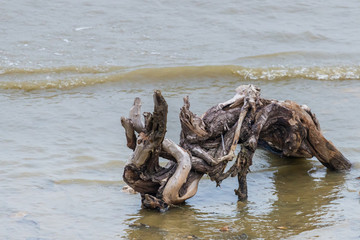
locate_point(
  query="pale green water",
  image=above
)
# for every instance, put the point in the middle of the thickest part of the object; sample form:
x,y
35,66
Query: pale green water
x,y
68,71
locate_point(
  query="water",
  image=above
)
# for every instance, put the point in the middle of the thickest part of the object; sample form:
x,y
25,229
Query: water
x,y
69,70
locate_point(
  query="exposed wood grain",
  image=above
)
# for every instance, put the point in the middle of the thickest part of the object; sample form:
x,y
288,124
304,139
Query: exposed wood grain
x,y
208,143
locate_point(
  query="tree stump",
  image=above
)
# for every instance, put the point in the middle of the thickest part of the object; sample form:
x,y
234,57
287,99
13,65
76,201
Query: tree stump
x,y
208,143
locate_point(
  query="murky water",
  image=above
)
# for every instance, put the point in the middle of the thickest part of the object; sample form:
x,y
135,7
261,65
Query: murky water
x,y
69,70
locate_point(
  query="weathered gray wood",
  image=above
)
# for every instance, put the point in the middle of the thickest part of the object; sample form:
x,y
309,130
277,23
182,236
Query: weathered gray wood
x,y
171,193
208,144
129,132
135,116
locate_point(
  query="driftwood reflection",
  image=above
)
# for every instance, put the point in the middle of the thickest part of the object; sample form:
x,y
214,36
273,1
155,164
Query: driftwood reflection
x,y
305,195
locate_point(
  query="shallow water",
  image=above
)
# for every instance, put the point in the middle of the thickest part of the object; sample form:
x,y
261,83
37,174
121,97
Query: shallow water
x,y
69,70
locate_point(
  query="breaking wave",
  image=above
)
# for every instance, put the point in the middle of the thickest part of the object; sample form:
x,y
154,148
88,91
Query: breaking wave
x,y
73,77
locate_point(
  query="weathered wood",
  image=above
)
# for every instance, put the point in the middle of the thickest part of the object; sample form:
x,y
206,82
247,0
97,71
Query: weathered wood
x,y
144,163
171,193
208,143
159,186
135,116
294,132
129,132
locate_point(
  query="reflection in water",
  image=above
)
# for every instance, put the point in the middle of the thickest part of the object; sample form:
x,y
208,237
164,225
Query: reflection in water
x,y
179,223
154,225
63,158
304,193
302,197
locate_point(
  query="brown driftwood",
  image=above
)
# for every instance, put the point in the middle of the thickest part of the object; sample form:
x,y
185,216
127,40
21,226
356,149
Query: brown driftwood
x,y
209,142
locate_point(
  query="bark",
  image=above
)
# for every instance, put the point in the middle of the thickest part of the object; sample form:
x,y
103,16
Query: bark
x,y
208,143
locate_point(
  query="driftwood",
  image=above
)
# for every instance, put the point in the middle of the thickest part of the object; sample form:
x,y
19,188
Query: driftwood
x,y
208,143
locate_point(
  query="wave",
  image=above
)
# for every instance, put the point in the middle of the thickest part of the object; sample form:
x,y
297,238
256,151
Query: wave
x,y
72,77
313,73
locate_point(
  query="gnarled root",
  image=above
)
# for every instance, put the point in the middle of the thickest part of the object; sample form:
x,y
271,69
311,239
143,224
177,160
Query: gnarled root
x,y
171,193
293,131
208,143
158,186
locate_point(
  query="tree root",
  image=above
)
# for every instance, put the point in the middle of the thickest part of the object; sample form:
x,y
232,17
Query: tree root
x,y
208,143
